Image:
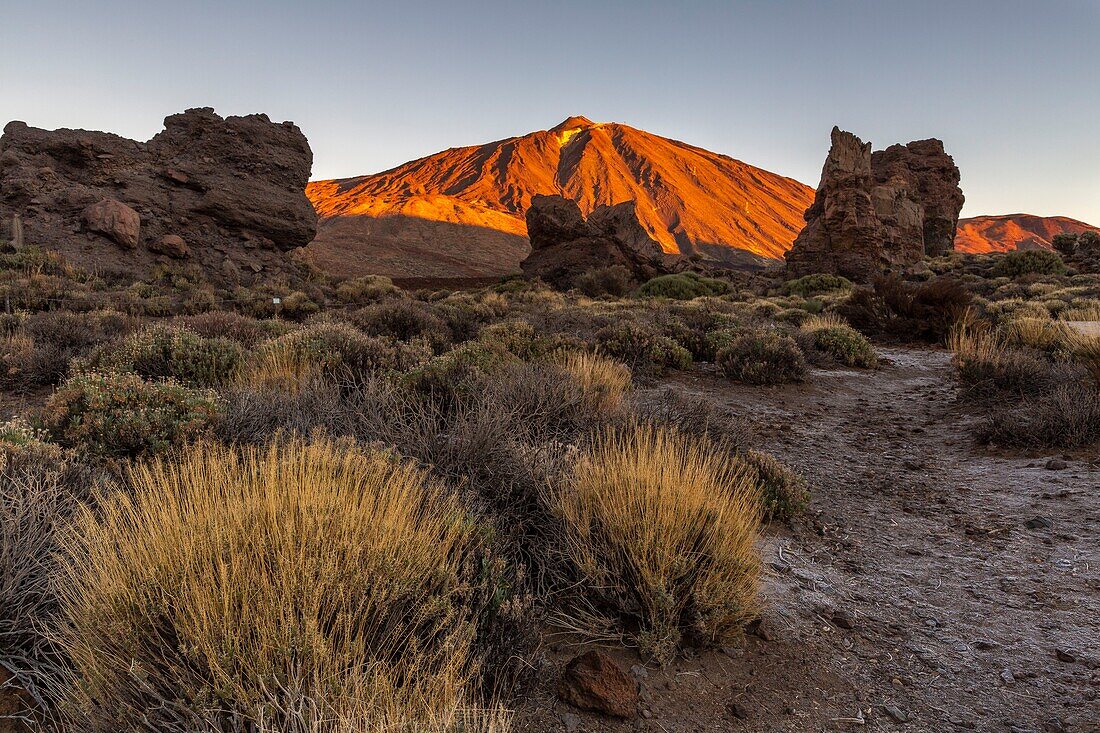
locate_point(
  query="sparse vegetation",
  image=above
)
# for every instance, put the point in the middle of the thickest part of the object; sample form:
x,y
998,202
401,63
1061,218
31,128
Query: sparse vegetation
x,y
762,357
683,286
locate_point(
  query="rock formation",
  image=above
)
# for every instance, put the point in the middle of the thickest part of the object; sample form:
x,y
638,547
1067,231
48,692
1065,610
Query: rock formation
x,y
205,190
872,211
564,245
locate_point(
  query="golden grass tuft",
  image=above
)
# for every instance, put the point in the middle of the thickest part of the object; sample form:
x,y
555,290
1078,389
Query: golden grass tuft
x,y
279,365
605,382
823,320
660,528
298,587
1085,349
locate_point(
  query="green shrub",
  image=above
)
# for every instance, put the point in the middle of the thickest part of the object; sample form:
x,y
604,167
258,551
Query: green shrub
x,y
367,289
783,492
683,286
1064,243
116,414
641,348
846,345
297,306
762,357
172,352
1030,261
816,283
452,376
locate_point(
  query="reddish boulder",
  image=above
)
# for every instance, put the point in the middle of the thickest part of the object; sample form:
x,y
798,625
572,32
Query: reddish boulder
x,y
564,245
878,210
114,220
593,681
172,245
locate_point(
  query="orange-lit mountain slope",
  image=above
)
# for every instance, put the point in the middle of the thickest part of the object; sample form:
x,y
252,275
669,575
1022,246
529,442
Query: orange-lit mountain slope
x,y
460,213
981,234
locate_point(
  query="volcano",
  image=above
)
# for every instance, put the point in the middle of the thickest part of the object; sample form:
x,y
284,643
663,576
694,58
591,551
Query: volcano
x,y
460,213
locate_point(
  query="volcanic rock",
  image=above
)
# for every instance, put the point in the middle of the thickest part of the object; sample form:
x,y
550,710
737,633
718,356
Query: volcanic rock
x,y
877,210
593,681
115,220
212,182
564,245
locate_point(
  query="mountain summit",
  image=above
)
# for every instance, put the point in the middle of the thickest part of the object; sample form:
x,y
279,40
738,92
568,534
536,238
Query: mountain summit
x,y
460,212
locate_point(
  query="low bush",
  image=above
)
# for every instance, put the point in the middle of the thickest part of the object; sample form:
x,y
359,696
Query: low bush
x,y
604,382
615,280
642,348
988,368
172,352
909,312
404,320
115,414
245,330
783,492
658,531
452,376
1066,416
815,284
683,286
698,416
367,289
762,357
1030,261
845,345
290,588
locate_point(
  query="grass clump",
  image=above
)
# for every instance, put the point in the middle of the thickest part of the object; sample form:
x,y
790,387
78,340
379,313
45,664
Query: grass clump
x,y
298,587
367,289
762,357
603,381
117,414
659,529
840,343
683,286
615,281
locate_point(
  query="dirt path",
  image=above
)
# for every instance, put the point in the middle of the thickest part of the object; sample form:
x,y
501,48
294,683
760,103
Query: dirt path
x,y
970,582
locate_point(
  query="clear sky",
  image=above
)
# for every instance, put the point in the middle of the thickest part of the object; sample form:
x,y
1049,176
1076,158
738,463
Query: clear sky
x,y
1013,88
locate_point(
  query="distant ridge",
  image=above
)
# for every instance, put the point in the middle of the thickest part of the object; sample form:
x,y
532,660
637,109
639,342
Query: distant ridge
x,y
460,212
981,234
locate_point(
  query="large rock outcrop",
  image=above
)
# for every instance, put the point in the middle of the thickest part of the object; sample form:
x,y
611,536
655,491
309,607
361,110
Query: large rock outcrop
x,y
878,210
565,245
205,190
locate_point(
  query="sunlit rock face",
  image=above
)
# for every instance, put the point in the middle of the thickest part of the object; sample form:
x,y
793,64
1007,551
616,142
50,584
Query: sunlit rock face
x,y
461,212
878,210
981,234
206,190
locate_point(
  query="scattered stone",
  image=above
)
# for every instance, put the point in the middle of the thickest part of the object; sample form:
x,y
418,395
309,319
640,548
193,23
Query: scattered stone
x,y
572,722
1064,655
172,245
114,220
896,713
639,672
1039,523
761,629
593,681
1007,677
1056,464
738,711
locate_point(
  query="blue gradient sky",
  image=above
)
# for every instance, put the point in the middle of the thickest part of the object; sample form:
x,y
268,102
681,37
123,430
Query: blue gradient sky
x,y
1013,88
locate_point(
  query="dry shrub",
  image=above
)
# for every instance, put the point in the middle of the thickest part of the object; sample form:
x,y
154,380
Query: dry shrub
x,y
259,414
1085,349
783,492
1066,416
762,357
299,587
989,368
615,280
366,289
245,330
41,487
604,382
173,352
1042,334
695,415
658,528
404,320
909,312
642,347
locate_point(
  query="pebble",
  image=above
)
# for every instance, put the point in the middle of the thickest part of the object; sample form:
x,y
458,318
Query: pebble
x,y
1007,676
639,672
896,713
572,722
842,619
1065,655
1039,523
1056,464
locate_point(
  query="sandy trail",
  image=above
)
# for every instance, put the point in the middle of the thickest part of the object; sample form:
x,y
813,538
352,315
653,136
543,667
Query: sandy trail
x,y
970,581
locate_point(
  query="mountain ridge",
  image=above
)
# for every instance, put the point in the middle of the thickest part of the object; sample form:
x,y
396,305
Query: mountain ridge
x,y
472,199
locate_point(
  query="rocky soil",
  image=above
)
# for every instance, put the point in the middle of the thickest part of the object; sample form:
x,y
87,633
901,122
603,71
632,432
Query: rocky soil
x,y
931,586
